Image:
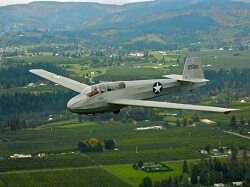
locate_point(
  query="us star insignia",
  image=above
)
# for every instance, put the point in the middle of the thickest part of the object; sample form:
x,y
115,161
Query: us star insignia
x,y
157,87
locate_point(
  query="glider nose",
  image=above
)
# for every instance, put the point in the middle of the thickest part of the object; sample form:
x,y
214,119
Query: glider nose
x,y
76,103
70,104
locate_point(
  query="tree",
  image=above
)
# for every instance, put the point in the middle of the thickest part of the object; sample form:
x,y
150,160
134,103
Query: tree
x,y
221,150
184,123
140,163
245,155
178,124
80,118
7,128
109,144
233,122
194,174
185,167
242,122
146,182
208,148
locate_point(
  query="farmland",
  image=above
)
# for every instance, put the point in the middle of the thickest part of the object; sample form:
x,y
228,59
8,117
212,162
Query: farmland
x,y
52,161
69,177
220,59
153,145
135,177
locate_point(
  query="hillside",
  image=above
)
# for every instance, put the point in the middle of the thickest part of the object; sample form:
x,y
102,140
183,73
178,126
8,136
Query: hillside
x,y
183,20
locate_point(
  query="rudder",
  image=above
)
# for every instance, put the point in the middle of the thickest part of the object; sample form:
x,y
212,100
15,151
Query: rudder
x,y
193,68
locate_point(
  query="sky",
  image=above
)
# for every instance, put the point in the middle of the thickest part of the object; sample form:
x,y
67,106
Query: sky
x,y
118,2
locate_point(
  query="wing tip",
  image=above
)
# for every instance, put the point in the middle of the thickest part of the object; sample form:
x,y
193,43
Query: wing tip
x,y
229,111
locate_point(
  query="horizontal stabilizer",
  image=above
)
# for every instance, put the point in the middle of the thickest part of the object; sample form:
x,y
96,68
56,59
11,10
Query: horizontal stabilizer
x,y
155,104
181,78
63,81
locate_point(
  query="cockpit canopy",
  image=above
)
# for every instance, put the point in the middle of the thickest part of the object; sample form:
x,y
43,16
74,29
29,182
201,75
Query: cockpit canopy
x,y
104,87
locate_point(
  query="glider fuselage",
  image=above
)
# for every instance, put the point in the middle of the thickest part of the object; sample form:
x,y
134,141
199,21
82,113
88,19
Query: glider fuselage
x,y
138,90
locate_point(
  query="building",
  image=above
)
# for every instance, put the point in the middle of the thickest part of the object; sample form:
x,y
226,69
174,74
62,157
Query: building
x,y
41,155
21,156
219,185
204,152
237,183
149,128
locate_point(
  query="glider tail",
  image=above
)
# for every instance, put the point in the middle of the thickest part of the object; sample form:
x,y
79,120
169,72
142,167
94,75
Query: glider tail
x,y
193,69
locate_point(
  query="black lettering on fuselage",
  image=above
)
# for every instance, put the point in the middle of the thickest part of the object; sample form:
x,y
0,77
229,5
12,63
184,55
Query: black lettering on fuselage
x,y
193,66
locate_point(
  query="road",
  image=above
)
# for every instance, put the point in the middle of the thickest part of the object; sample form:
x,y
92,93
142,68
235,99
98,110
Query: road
x,y
237,134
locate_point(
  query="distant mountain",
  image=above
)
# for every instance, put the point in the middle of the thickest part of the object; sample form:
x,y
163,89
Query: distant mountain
x,y
164,17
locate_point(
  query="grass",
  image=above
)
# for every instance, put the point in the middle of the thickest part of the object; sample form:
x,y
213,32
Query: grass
x,y
82,70
159,56
224,59
126,73
65,124
135,177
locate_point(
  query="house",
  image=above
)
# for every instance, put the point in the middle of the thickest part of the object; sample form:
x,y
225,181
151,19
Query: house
x,y
242,101
149,128
237,183
204,152
21,156
41,155
31,85
219,185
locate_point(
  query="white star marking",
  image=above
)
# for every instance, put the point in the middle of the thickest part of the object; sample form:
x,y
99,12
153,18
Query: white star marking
x,y
157,88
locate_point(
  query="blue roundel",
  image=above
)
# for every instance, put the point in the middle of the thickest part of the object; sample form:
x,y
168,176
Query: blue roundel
x,y
157,87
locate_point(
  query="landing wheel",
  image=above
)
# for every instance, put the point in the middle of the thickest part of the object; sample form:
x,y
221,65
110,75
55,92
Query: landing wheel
x,y
116,112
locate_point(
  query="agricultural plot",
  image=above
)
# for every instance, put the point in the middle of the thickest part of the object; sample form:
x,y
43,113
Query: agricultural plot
x,y
220,59
160,56
67,177
125,135
83,70
128,173
129,157
52,161
127,73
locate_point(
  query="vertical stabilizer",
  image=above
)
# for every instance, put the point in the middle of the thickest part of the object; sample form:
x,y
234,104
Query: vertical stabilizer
x,y
193,69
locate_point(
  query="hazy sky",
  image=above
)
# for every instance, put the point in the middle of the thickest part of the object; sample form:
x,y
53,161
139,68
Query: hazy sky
x,y
119,2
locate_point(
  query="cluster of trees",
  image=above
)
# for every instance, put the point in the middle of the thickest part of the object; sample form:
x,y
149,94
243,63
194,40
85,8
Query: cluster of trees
x,y
22,110
109,144
18,75
91,145
226,85
207,172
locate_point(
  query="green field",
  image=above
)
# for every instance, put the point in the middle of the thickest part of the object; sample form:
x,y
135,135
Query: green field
x,y
133,176
69,177
154,142
220,59
81,70
48,162
126,73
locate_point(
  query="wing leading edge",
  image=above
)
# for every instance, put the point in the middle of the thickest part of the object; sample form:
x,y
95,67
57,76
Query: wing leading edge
x,y
63,81
155,104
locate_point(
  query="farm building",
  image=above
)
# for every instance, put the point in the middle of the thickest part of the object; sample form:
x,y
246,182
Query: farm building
x,y
149,128
41,155
21,156
219,185
237,183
